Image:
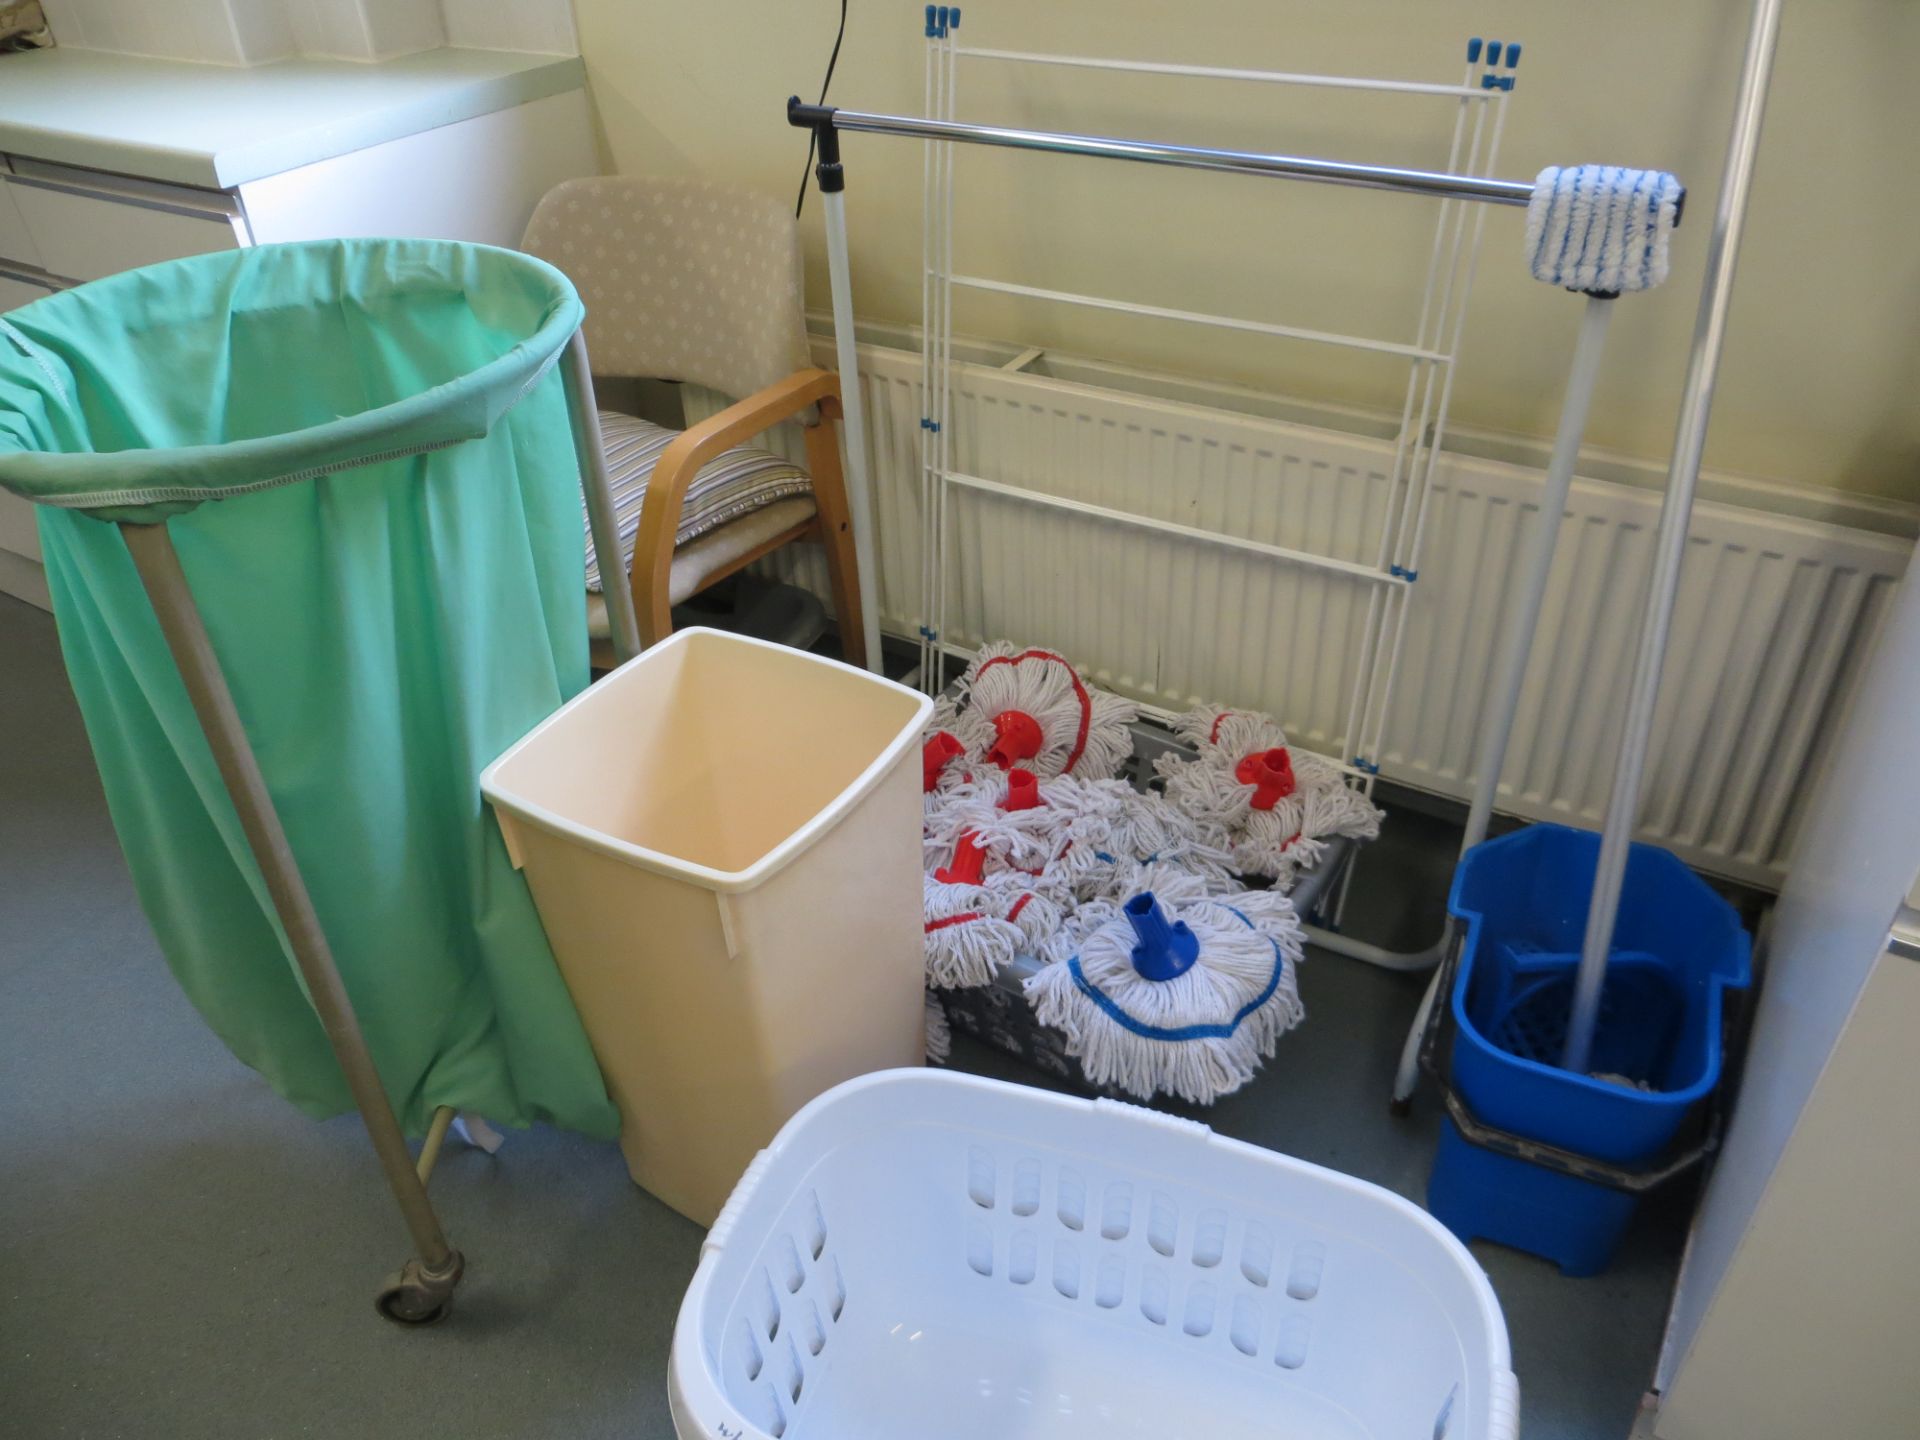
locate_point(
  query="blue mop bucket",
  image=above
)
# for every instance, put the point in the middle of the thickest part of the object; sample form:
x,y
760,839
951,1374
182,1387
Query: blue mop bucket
x,y
1677,946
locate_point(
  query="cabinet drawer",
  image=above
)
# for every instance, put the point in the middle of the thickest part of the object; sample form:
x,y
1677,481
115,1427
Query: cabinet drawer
x,y
15,243
83,232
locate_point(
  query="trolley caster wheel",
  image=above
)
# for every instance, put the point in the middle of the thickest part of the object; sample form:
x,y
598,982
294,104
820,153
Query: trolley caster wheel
x,y
1400,1107
415,1295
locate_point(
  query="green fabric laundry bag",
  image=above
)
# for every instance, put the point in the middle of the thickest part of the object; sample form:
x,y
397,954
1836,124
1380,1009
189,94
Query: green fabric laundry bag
x,y
363,455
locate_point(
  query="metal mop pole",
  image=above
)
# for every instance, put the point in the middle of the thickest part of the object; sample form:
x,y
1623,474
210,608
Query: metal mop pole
x,y
423,1289
1523,616
1709,333
621,621
853,409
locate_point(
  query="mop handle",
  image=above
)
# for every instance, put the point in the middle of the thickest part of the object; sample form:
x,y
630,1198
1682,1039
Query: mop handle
x,y
1523,612
1723,250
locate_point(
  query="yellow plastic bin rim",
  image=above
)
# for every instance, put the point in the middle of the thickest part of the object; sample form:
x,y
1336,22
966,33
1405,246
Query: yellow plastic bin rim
x,y
726,882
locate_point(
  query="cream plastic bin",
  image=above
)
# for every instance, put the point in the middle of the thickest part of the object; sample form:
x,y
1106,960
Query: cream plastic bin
x,y
723,840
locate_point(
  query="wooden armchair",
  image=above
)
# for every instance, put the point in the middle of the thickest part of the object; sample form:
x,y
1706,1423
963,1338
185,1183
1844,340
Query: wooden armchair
x,y
696,281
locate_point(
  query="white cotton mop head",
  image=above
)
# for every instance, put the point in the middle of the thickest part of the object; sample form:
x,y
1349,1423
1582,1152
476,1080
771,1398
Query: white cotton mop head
x,y
939,1031
1030,707
1198,875
1291,835
1273,807
1187,999
1601,229
1021,822
1152,844
969,880
943,755
968,938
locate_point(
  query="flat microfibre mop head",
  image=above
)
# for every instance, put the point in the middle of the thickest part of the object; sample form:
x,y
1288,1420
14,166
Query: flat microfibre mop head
x,y
1602,229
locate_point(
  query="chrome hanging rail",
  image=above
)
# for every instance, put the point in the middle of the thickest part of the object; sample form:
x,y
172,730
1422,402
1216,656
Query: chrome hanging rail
x,y
825,119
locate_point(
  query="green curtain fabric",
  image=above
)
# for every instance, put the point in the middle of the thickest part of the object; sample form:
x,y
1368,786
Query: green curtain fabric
x,y
392,578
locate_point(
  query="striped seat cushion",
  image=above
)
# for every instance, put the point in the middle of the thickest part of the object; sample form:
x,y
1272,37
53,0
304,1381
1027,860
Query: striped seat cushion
x,y
735,483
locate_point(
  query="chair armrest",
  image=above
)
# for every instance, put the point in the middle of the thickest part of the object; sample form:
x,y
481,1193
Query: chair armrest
x,y
681,461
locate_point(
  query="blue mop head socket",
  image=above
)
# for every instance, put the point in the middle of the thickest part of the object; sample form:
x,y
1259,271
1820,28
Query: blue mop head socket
x,y
1183,998
1602,229
1167,949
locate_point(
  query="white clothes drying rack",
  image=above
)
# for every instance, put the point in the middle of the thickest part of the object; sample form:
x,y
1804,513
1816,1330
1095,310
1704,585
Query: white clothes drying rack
x,y
1403,531
1477,107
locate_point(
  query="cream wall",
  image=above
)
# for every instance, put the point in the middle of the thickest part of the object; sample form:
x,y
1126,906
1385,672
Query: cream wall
x,y
1823,362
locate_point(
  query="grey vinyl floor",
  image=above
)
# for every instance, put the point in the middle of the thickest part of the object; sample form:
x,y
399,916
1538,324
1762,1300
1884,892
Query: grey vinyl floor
x,y
181,1254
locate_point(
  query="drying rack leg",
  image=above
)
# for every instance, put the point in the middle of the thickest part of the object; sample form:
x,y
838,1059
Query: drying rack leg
x,y
423,1289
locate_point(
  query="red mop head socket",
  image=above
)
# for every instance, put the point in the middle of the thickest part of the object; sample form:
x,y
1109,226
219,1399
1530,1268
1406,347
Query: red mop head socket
x,y
1017,737
1270,772
969,863
1023,791
935,755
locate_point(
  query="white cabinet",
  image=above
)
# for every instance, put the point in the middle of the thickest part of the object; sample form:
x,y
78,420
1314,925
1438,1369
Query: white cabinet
x,y
444,172
85,225
16,244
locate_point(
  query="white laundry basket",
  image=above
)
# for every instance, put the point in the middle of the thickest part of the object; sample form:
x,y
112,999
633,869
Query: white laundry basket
x,y
934,1255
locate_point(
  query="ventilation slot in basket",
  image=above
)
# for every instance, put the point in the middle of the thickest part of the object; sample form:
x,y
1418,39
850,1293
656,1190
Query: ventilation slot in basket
x,y
1199,1318
980,1176
1256,1254
1210,1238
787,1256
1291,1351
836,1294
812,1332
1026,1188
1071,1200
1153,1294
979,1248
1303,1276
1021,1258
767,1306
1066,1269
1163,1224
1246,1325
816,1226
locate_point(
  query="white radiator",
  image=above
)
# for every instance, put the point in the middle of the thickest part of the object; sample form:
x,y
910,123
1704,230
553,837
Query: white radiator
x,y
1774,617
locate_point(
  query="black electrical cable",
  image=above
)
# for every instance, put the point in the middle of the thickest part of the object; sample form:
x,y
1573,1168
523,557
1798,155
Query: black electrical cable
x,y
812,138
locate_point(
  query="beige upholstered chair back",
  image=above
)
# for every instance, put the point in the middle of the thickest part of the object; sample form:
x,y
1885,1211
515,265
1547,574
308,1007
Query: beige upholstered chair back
x,y
683,279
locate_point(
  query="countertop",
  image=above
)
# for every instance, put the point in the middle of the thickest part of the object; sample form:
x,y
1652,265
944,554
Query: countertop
x,y
219,126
